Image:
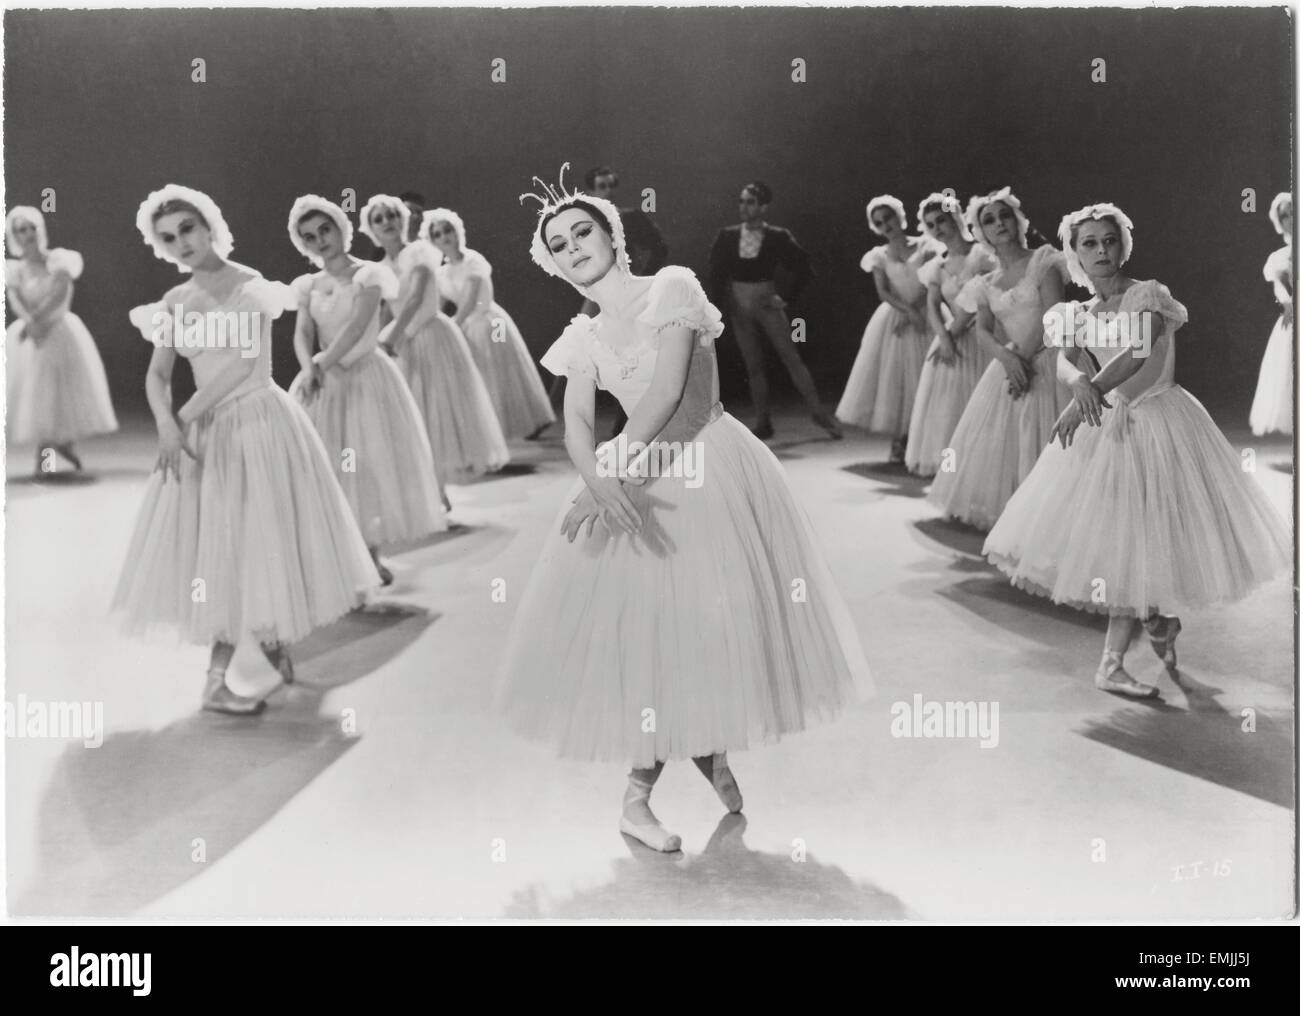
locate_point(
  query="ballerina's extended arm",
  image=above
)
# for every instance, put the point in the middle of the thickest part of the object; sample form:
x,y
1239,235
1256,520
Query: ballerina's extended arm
x,y
1089,392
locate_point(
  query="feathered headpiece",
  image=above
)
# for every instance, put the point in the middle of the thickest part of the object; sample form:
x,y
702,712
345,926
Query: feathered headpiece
x,y
1004,195
443,215
25,213
557,199
383,201
1092,213
949,204
886,201
308,204
222,241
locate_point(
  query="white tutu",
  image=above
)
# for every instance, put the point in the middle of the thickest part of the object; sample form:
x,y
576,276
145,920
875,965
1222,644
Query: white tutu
x,y
255,539
55,386
1151,510
941,398
507,367
462,425
881,389
1274,408
997,441
376,442
719,624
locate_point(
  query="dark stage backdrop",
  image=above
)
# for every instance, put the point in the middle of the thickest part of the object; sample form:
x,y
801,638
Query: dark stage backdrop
x,y
100,106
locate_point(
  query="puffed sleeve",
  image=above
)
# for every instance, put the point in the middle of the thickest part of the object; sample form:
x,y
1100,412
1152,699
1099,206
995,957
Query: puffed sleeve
x,y
13,272
269,298
66,262
570,353
1155,297
873,259
1057,320
302,287
1047,259
980,260
153,320
423,253
1278,266
929,272
972,294
477,265
379,276
677,298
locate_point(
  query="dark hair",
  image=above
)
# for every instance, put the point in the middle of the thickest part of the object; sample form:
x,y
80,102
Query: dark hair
x,y
587,207
415,197
315,211
935,206
589,181
174,205
762,192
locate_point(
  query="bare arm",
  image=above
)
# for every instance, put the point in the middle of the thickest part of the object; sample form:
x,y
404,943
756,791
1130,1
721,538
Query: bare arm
x,y
420,277
471,302
53,299
660,402
304,334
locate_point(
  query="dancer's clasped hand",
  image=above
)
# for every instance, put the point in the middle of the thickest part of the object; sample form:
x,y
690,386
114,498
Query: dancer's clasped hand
x,y
171,446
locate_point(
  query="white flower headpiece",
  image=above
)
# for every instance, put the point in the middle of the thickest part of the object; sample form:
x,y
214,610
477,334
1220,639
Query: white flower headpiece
x,y
1282,200
557,199
307,204
1070,224
26,213
949,204
222,242
1004,195
886,201
443,215
383,201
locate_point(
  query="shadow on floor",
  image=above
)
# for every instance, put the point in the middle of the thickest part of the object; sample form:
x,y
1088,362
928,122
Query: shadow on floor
x,y
120,826
994,600
949,534
728,881
117,826
900,482
1207,741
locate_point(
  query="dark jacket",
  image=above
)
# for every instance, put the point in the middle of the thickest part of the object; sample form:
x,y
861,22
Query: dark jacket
x,y
779,251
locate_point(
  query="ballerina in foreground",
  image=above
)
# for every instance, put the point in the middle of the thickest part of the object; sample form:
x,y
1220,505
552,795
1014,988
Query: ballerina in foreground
x,y
1142,508
680,607
243,530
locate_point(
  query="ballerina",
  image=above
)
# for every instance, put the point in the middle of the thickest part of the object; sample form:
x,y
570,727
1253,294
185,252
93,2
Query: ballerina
x,y
742,268
354,394
882,385
1146,510
56,387
956,359
433,354
1010,415
1273,408
516,388
244,530
670,631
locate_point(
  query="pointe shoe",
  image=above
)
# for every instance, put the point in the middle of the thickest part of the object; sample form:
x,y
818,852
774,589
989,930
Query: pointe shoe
x,y
898,451
763,429
829,424
67,452
385,574
724,783
1163,629
1112,677
218,698
652,834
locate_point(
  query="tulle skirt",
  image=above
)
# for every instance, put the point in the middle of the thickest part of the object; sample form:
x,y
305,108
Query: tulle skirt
x,y
1151,510
941,398
718,625
997,441
375,440
462,425
881,389
1272,409
516,388
56,388
255,539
